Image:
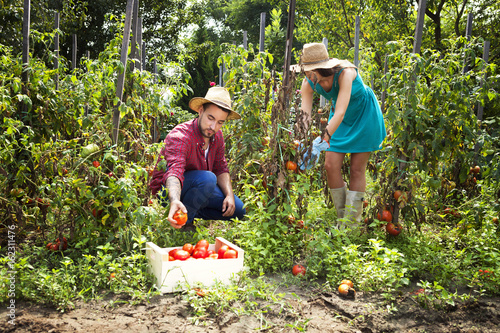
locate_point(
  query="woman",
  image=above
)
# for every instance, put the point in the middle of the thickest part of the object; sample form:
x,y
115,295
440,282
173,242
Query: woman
x,y
355,125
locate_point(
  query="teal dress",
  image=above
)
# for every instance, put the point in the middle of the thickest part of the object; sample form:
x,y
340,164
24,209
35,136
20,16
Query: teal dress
x,y
362,129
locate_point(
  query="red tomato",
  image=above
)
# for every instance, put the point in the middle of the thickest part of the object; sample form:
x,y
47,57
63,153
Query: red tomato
x,y
386,216
188,247
203,243
181,255
96,164
393,229
199,253
292,166
172,252
212,256
230,254
348,282
209,252
298,269
170,258
397,194
222,250
180,217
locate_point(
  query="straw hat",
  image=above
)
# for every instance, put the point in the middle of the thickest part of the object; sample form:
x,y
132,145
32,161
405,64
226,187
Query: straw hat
x,y
315,55
217,95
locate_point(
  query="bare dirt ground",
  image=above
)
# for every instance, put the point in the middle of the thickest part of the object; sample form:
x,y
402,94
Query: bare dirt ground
x,y
323,312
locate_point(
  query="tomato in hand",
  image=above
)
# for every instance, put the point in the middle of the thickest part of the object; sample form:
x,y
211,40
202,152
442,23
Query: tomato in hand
x,y
180,217
230,254
298,269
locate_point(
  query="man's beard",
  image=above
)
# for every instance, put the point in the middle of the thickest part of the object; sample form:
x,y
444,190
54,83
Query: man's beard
x,y
203,132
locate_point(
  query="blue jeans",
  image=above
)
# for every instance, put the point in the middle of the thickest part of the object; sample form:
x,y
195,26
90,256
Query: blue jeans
x,y
202,197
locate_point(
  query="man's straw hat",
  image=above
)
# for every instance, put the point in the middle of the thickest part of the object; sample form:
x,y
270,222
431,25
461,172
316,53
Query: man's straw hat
x,y
315,55
217,95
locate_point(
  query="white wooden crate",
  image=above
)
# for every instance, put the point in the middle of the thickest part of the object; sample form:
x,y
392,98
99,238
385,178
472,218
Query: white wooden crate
x,y
170,273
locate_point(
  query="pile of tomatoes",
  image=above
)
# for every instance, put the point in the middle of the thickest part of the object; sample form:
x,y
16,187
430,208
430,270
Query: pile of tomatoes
x,y
201,251
56,246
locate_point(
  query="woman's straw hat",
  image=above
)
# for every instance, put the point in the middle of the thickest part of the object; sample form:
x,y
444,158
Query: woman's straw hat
x,y
315,55
217,95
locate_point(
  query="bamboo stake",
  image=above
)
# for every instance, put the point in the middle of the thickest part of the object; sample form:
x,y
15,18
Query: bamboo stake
x,y
56,50
121,76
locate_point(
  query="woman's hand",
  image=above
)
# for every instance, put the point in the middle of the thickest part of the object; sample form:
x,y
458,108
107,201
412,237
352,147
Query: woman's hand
x,y
326,136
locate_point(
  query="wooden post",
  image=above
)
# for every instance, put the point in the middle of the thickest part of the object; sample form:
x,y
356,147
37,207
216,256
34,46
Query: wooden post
x,y
75,49
143,53
139,43
26,56
468,34
262,32
154,133
133,47
288,45
26,40
384,87
322,99
419,29
56,49
88,54
480,112
356,42
221,74
245,40
121,76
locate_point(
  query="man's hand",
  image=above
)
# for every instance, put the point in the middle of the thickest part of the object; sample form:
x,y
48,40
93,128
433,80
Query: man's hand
x,y
174,207
228,206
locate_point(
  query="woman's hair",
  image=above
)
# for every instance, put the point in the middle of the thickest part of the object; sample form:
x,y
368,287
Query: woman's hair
x,y
326,72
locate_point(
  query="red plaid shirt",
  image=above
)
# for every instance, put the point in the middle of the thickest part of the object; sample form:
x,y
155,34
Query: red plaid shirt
x,y
183,152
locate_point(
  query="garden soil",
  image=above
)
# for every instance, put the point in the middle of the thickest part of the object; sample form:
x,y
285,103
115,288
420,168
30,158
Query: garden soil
x,y
323,312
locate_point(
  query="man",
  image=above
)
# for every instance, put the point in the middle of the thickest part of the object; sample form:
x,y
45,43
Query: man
x,y
192,167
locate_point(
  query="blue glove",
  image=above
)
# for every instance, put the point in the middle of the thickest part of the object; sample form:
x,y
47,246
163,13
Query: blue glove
x,y
317,147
